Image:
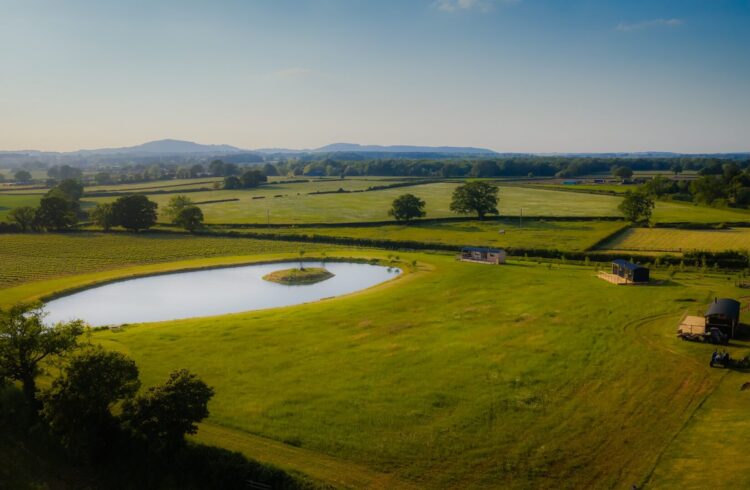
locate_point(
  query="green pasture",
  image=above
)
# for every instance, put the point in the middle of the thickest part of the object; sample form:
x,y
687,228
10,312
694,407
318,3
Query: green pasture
x,y
677,240
28,257
454,374
561,235
10,201
292,203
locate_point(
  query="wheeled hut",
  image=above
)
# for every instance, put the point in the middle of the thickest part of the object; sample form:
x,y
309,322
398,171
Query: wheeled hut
x,y
632,273
723,314
483,255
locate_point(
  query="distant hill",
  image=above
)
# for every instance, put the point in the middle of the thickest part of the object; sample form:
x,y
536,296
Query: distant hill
x,y
446,150
165,147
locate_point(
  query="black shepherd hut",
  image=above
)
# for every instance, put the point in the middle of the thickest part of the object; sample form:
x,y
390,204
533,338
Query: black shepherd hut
x,y
629,271
724,314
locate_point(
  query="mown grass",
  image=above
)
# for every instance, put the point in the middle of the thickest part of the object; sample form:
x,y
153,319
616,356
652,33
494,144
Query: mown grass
x,y
562,235
459,374
34,257
677,240
296,205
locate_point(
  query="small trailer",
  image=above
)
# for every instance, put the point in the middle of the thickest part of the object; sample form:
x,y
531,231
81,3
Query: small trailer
x,y
694,328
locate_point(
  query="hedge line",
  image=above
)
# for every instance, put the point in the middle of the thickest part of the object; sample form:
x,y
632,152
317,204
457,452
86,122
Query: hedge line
x,y
452,219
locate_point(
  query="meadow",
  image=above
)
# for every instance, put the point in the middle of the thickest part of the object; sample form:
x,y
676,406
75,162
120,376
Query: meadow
x,y
454,374
677,240
538,234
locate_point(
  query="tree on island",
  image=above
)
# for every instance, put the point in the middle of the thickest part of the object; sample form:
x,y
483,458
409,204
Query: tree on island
x,y
407,207
636,207
25,342
475,197
135,212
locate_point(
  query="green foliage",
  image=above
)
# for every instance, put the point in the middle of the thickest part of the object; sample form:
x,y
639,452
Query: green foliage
x,y
56,213
190,218
103,215
407,207
25,342
22,176
23,216
176,204
78,405
70,188
636,207
232,182
252,178
134,212
475,197
164,414
623,172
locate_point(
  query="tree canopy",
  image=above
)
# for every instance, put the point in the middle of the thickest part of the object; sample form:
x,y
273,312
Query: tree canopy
x,y
636,207
135,212
407,207
25,342
475,197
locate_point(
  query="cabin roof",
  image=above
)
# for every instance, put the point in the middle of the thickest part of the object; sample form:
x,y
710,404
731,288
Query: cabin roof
x,y
627,265
481,249
725,306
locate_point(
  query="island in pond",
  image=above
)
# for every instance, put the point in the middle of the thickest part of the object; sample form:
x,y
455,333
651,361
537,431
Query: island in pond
x,y
291,277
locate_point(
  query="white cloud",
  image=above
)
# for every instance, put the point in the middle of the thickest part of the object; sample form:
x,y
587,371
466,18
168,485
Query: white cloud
x,y
649,24
293,73
480,5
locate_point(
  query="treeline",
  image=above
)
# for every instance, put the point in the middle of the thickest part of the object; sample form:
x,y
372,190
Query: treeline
x,y
718,185
343,165
93,415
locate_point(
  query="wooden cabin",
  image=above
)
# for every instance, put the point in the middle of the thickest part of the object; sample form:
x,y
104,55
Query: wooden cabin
x,y
632,273
483,255
724,314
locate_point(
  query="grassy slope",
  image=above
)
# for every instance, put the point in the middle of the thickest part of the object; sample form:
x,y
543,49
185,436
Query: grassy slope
x,y
561,235
675,240
463,374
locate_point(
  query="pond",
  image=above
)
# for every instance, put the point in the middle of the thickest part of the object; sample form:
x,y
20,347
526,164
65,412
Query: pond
x,y
208,292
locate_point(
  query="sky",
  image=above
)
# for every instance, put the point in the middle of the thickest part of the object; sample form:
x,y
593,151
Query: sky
x,y
510,75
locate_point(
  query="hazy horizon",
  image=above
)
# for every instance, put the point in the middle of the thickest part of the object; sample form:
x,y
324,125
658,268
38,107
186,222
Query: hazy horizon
x,y
527,76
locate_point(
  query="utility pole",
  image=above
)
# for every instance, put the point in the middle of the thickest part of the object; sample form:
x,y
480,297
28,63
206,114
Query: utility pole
x,y
520,219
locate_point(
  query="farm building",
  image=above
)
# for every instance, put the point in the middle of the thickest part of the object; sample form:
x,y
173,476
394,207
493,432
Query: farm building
x,y
483,255
724,314
631,272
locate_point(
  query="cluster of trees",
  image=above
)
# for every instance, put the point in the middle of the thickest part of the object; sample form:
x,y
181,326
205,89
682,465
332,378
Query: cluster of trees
x,y
247,180
134,213
77,408
182,212
477,197
637,207
722,184
58,210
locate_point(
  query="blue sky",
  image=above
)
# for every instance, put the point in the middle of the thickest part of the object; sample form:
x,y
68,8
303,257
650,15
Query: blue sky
x,y
511,75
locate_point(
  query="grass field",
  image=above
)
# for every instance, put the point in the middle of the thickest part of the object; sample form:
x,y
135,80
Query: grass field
x,y
27,257
454,375
676,240
562,235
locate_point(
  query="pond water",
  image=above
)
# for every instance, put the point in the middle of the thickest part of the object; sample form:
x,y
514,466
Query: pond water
x,y
208,292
